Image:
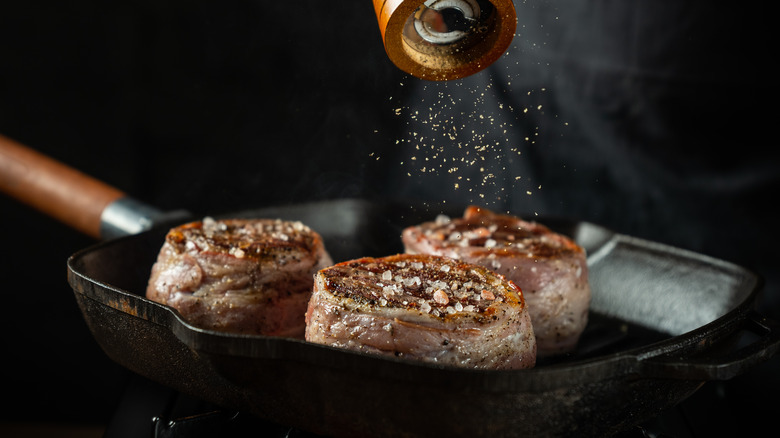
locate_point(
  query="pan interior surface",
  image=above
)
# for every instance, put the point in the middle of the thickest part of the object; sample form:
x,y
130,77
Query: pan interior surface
x,y
670,290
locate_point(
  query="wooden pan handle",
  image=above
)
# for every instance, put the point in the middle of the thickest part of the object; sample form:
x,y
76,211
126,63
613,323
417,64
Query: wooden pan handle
x,y
55,189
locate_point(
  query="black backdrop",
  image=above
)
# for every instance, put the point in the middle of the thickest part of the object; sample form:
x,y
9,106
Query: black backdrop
x,y
651,118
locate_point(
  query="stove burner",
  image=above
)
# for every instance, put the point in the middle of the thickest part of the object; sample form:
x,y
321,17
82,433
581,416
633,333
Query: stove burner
x,y
149,410
719,408
223,424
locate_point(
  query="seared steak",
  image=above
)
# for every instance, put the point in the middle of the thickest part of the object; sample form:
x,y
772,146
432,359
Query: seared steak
x,y
239,276
423,307
549,268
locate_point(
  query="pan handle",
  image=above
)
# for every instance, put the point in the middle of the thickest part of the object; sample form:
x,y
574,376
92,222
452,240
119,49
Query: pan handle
x,y
763,343
72,197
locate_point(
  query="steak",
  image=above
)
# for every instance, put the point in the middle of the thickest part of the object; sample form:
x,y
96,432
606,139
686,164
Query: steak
x,y
247,276
422,307
549,268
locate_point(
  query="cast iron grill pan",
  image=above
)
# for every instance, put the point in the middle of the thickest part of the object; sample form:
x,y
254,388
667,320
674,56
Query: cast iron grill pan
x,y
662,322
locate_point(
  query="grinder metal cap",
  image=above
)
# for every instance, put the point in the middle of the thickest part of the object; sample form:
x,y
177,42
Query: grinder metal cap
x,y
445,39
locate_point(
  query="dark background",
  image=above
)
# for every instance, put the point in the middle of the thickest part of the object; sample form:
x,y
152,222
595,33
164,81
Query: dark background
x,y
655,119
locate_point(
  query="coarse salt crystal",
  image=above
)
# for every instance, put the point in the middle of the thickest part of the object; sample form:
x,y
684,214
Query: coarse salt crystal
x,y
441,297
387,275
438,284
442,219
487,295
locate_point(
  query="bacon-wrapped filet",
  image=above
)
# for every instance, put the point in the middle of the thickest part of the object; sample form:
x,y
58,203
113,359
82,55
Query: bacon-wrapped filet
x,y
248,276
549,268
423,307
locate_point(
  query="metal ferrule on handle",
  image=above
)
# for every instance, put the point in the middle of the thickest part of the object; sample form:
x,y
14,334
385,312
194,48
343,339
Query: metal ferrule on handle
x,y
127,216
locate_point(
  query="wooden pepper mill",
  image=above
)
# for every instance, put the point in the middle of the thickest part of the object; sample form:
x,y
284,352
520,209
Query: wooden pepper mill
x,y
445,39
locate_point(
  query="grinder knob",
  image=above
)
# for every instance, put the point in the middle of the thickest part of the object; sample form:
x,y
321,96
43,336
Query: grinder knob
x,y
445,39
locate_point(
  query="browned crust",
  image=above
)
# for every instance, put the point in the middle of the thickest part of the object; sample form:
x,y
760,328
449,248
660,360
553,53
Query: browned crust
x,y
498,234
259,239
440,286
